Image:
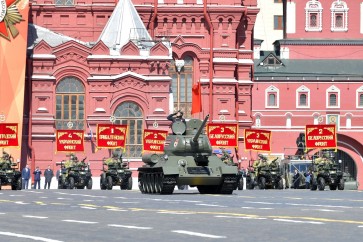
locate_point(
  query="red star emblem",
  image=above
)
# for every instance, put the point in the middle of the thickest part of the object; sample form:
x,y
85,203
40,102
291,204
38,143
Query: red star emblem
x,y
3,25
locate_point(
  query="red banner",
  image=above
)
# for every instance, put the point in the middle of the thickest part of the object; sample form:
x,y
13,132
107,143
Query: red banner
x,y
9,135
321,136
257,139
223,134
70,140
111,136
154,140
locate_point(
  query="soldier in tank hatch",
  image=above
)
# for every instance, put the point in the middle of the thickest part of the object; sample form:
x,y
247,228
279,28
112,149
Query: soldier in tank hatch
x,y
178,116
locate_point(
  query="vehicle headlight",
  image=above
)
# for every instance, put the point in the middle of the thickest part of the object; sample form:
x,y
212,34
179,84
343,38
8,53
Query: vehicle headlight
x,y
120,171
166,157
182,162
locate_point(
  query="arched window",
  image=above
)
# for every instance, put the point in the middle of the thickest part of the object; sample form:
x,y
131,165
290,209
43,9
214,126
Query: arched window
x,y
181,72
333,99
70,103
130,114
272,97
313,16
303,97
339,16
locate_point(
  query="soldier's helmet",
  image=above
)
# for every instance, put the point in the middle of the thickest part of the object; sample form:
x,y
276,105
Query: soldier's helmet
x,y
115,154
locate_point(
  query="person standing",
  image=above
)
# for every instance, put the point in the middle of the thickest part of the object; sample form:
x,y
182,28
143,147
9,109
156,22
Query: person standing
x,y
25,175
37,174
48,174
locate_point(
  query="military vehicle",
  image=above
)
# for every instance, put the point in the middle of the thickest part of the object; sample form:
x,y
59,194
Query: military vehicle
x,y
250,178
116,173
267,175
75,174
187,160
9,175
326,173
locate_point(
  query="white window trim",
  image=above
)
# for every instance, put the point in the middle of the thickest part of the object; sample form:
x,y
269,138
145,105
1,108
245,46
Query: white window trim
x,y
303,89
269,90
339,7
330,90
288,120
318,10
357,93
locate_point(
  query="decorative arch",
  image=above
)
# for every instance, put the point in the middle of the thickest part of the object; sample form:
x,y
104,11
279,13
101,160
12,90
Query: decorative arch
x,y
159,49
130,49
42,48
100,49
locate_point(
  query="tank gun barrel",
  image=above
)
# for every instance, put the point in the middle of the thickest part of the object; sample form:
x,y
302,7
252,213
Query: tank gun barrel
x,y
196,136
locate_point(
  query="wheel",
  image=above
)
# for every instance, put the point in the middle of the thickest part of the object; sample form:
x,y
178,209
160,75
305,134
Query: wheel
x,y
71,183
109,183
89,184
60,185
333,187
129,183
262,183
158,182
103,182
341,184
19,184
141,182
280,184
240,184
313,184
0,184
321,184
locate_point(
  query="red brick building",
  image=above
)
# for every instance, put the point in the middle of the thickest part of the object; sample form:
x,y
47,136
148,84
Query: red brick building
x,y
136,60
314,76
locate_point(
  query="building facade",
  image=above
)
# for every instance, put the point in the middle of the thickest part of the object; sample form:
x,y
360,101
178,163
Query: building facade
x,y
137,61
315,77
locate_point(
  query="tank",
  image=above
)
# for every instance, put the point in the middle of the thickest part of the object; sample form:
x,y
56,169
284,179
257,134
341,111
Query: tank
x,y
75,174
187,160
9,175
115,172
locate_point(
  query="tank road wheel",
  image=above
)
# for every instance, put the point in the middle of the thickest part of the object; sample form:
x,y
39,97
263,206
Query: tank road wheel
x,y
71,183
262,183
141,182
158,182
60,185
89,184
313,184
341,184
109,183
321,184
129,183
153,182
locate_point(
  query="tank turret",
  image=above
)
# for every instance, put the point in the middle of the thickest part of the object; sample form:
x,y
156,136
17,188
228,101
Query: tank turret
x,y
187,160
188,139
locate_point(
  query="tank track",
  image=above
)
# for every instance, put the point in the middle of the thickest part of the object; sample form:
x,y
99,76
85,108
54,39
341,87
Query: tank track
x,y
229,184
155,182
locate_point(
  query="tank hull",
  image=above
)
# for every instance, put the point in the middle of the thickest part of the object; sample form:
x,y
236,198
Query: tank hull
x,y
214,177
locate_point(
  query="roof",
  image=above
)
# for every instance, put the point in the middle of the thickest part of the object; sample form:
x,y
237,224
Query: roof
x,y
321,68
319,42
124,25
37,33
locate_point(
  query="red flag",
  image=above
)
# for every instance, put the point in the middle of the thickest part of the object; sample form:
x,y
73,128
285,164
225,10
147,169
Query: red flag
x,y
196,98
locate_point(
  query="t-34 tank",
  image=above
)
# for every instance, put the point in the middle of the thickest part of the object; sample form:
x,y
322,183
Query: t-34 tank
x,y
187,160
